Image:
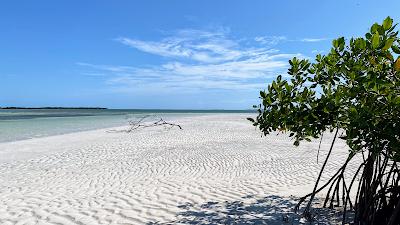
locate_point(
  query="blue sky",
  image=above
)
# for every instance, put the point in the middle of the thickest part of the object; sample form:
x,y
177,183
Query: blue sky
x,y
164,54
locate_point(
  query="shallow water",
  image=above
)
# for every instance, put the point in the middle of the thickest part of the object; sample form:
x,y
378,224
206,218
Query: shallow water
x,y
19,124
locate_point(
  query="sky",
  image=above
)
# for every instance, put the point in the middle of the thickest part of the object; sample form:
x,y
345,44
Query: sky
x,y
186,54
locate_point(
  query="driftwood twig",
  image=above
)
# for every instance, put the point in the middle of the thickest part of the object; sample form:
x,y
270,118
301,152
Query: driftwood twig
x,y
140,123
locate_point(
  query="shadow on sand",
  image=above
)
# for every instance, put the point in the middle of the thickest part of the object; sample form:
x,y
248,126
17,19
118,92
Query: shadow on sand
x,y
271,210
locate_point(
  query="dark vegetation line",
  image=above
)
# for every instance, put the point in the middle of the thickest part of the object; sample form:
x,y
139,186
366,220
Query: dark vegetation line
x,y
52,108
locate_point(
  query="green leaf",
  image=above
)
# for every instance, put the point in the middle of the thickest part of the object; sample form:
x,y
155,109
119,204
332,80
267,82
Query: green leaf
x,y
360,43
397,65
287,87
352,75
389,56
396,49
397,100
250,119
375,40
387,23
341,43
374,28
268,99
388,44
353,110
392,28
335,43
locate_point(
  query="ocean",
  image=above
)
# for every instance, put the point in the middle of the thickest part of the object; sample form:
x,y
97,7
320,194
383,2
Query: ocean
x,y
20,124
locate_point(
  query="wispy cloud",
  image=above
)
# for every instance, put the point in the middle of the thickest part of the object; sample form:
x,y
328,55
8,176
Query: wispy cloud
x,y
199,59
270,40
314,39
274,40
197,45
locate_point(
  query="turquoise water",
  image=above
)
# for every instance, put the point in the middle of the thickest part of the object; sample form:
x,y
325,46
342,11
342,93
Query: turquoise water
x,y
19,124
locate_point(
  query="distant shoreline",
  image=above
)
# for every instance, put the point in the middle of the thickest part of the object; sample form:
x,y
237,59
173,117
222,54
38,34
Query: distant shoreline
x,y
52,108
140,110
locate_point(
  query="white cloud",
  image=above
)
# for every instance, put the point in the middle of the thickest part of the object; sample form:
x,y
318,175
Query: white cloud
x,y
270,40
198,60
197,45
313,39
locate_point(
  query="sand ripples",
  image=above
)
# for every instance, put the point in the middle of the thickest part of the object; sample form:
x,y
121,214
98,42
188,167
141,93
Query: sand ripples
x,y
144,176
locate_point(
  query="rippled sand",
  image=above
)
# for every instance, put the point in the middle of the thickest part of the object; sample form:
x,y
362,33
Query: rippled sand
x,y
195,175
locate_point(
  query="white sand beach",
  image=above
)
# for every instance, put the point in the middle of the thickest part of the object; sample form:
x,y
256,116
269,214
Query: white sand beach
x,y
217,170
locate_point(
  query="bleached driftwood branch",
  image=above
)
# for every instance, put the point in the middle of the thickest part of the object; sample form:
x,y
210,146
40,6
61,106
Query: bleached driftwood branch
x,y
140,123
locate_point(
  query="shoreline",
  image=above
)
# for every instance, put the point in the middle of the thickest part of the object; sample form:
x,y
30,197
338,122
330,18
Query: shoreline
x,y
53,125
8,147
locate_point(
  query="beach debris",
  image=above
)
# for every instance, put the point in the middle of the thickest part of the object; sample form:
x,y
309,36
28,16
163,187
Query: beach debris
x,y
141,123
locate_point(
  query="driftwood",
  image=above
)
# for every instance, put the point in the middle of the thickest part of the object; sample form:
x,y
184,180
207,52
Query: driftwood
x,y
140,123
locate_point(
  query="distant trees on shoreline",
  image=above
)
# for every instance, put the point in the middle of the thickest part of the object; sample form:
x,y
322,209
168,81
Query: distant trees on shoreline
x,y
52,108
